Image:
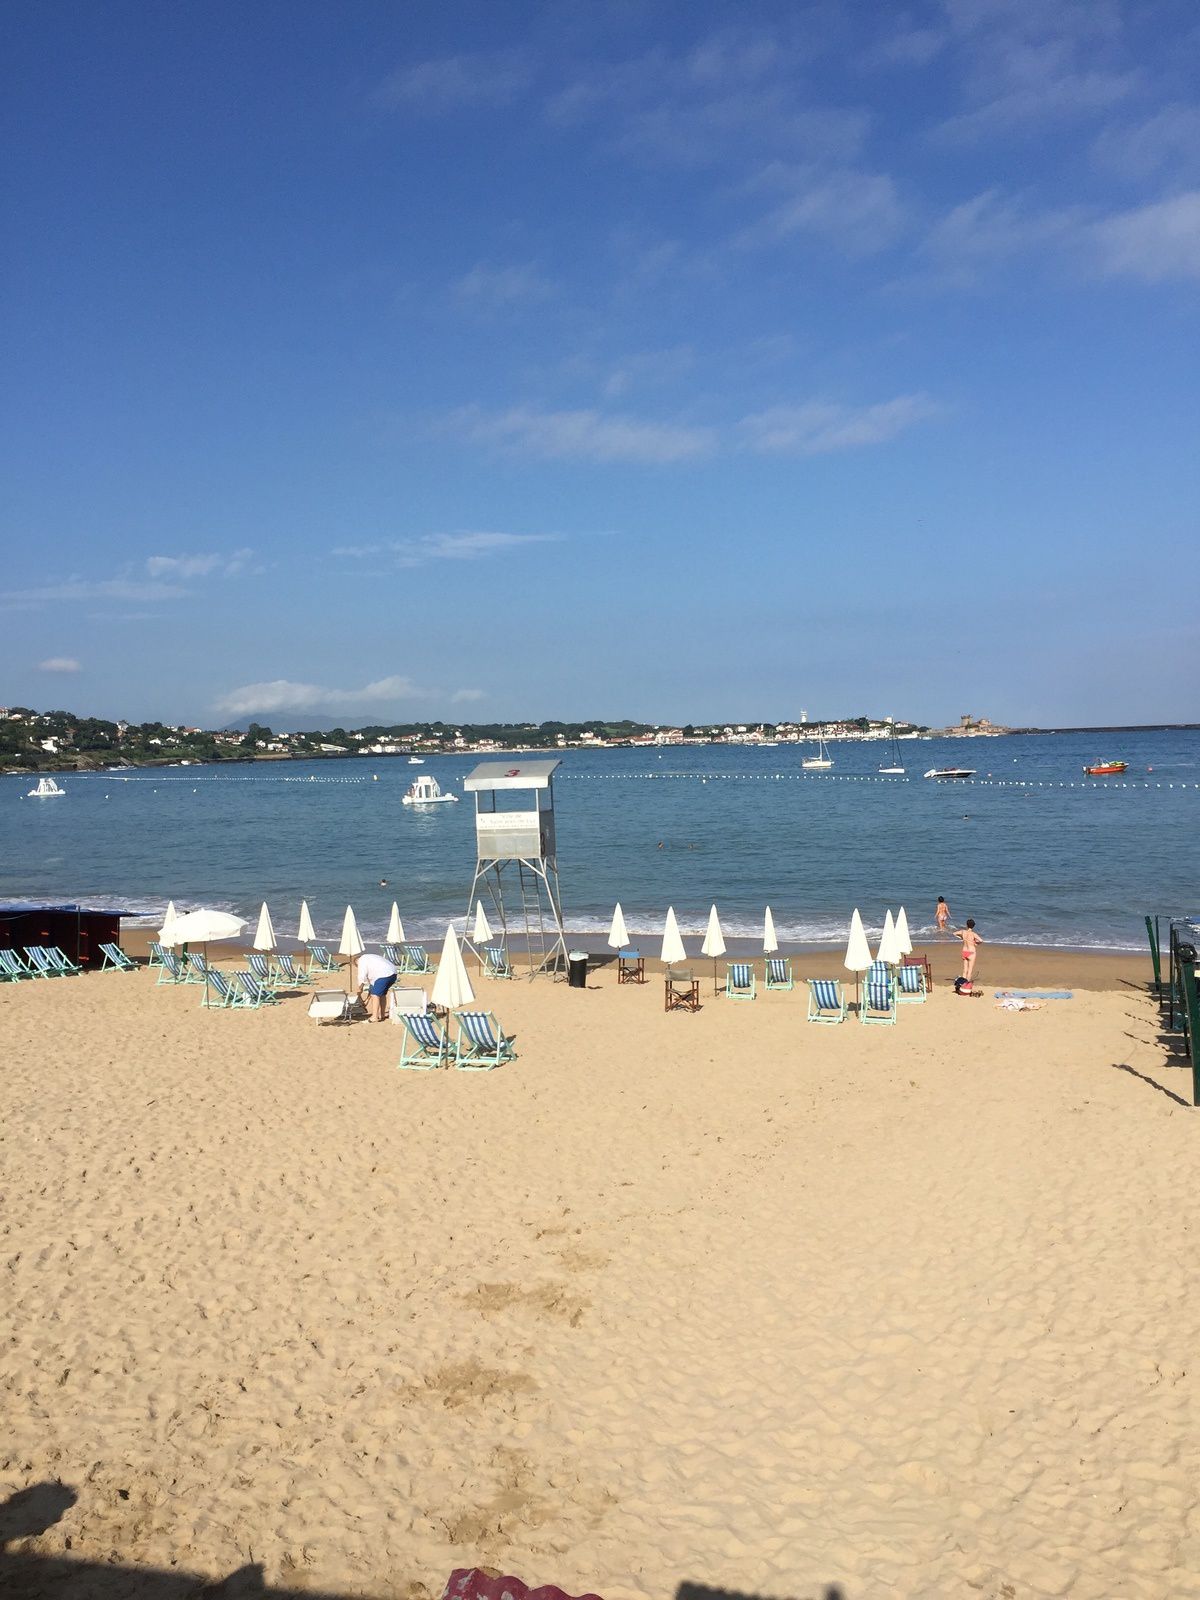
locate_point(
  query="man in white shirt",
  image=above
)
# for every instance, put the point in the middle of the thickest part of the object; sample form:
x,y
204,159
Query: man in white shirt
x,y
376,975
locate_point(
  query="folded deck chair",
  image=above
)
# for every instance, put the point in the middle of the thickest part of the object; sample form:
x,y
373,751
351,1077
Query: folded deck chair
x,y
116,959
826,1000
320,958
40,964
911,985
415,959
878,1001
330,1005
739,981
778,973
426,1044
220,992
255,993
171,969
12,967
288,973
497,961
481,1045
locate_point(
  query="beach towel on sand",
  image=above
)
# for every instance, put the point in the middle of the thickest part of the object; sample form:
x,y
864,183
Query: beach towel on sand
x,y
481,1583
1035,994
1017,1002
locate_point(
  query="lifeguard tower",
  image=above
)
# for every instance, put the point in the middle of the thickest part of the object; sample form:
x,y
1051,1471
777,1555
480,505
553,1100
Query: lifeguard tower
x,y
515,850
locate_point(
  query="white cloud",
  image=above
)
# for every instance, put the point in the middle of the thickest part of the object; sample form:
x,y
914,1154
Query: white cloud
x,y
198,565
281,694
59,664
1167,141
468,546
498,288
583,435
909,46
1153,242
95,589
858,212
453,83
464,696
820,427
992,227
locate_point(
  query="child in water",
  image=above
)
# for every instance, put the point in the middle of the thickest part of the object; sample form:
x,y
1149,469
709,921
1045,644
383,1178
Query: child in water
x,y
943,914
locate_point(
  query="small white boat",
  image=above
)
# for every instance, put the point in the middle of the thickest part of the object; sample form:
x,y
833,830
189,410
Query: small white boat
x,y
426,791
45,789
951,772
415,761
820,762
895,767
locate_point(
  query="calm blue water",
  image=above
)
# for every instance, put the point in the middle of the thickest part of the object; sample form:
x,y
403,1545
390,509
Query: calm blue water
x,y
1031,861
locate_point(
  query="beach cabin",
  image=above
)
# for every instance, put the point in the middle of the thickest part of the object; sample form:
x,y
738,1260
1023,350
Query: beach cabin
x,y
76,931
516,868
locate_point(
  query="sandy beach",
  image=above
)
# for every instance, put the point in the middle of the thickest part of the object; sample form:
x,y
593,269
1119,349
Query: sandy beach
x,y
724,1299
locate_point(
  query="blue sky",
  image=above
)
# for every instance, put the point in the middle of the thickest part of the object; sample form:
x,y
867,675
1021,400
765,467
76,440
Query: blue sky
x,y
677,361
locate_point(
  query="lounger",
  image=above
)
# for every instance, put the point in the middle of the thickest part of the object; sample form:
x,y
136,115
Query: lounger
x,y
115,959
739,981
826,1000
12,967
425,1043
878,1001
778,973
497,961
171,969
330,1005
415,959
481,1045
219,992
155,958
260,969
288,974
40,963
61,962
196,969
320,958
395,954
910,986
255,993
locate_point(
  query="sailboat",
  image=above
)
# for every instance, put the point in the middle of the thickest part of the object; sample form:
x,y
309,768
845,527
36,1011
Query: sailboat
x,y
820,762
895,767
46,789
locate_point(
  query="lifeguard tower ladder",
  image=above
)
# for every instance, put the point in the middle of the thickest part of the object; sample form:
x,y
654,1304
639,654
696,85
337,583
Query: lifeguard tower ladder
x,y
515,849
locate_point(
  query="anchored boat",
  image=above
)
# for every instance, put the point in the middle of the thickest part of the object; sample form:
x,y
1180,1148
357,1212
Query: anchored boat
x,y
45,789
895,767
820,762
426,791
1103,768
951,772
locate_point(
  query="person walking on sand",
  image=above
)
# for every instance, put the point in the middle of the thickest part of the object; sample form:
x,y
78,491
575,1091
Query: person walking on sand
x,y
942,914
970,942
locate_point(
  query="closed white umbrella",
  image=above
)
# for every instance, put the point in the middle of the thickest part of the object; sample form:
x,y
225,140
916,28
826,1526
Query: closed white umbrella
x,y
351,943
618,936
482,931
166,932
264,937
672,945
714,942
395,933
306,933
452,988
199,927
770,942
889,945
858,951
903,937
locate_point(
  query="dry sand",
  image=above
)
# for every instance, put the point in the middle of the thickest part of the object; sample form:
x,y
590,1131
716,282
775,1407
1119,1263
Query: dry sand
x,y
725,1299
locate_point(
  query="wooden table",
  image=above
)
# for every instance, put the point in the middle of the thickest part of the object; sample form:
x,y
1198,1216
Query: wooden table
x,y
682,992
631,967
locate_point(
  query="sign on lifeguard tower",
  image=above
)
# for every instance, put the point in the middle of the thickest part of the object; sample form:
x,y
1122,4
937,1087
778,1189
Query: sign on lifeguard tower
x,y
515,848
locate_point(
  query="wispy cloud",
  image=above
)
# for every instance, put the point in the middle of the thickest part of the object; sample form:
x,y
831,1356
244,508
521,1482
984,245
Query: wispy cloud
x,y
1154,242
501,288
858,212
466,696
283,694
59,664
909,45
583,435
198,564
454,83
1166,143
821,427
468,546
94,589
991,228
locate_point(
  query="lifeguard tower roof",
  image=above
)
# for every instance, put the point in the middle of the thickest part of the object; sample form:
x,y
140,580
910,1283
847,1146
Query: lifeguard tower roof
x,y
510,775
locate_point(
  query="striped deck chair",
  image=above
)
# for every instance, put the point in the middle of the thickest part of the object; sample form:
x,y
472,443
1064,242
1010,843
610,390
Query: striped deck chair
x,y
260,968
395,954
778,973
253,992
739,981
426,1045
156,954
219,992
171,969
319,957
878,1001
196,968
497,961
61,962
288,973
415,959
40,964
115,959
481,1043
910,989
12,967
826,1000
878,972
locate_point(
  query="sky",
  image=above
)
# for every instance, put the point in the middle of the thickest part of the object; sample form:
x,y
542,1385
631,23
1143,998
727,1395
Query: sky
x,y
676,361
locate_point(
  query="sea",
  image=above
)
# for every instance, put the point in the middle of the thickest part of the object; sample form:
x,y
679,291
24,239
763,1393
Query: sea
x,y
1035,851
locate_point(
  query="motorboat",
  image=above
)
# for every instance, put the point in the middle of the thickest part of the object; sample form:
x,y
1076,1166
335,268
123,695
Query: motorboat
x,y
895,767
45,789
415,761
426,791
951,772
1103,769
821,761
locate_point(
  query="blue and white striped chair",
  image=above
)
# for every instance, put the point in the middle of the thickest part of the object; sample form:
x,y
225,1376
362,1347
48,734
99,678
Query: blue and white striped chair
x,y
826,1000
319,957
254,992
12,967
260,969
171,969
155,958
288,974
496,961
426,1045
220,991
61,963
481,1044
40,963
415,959
878,1000
739,981
911,985
395,954
196,968
778,973
115,959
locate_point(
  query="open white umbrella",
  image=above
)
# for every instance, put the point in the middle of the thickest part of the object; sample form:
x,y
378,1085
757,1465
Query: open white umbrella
x,y
889,945
770,942
452,988
395,933
351,943
306,933
168,923
672,945
264,937
714,942
618,936
203,926
903,937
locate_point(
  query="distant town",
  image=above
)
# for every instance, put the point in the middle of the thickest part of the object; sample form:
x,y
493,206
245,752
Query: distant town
x,y
58,741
